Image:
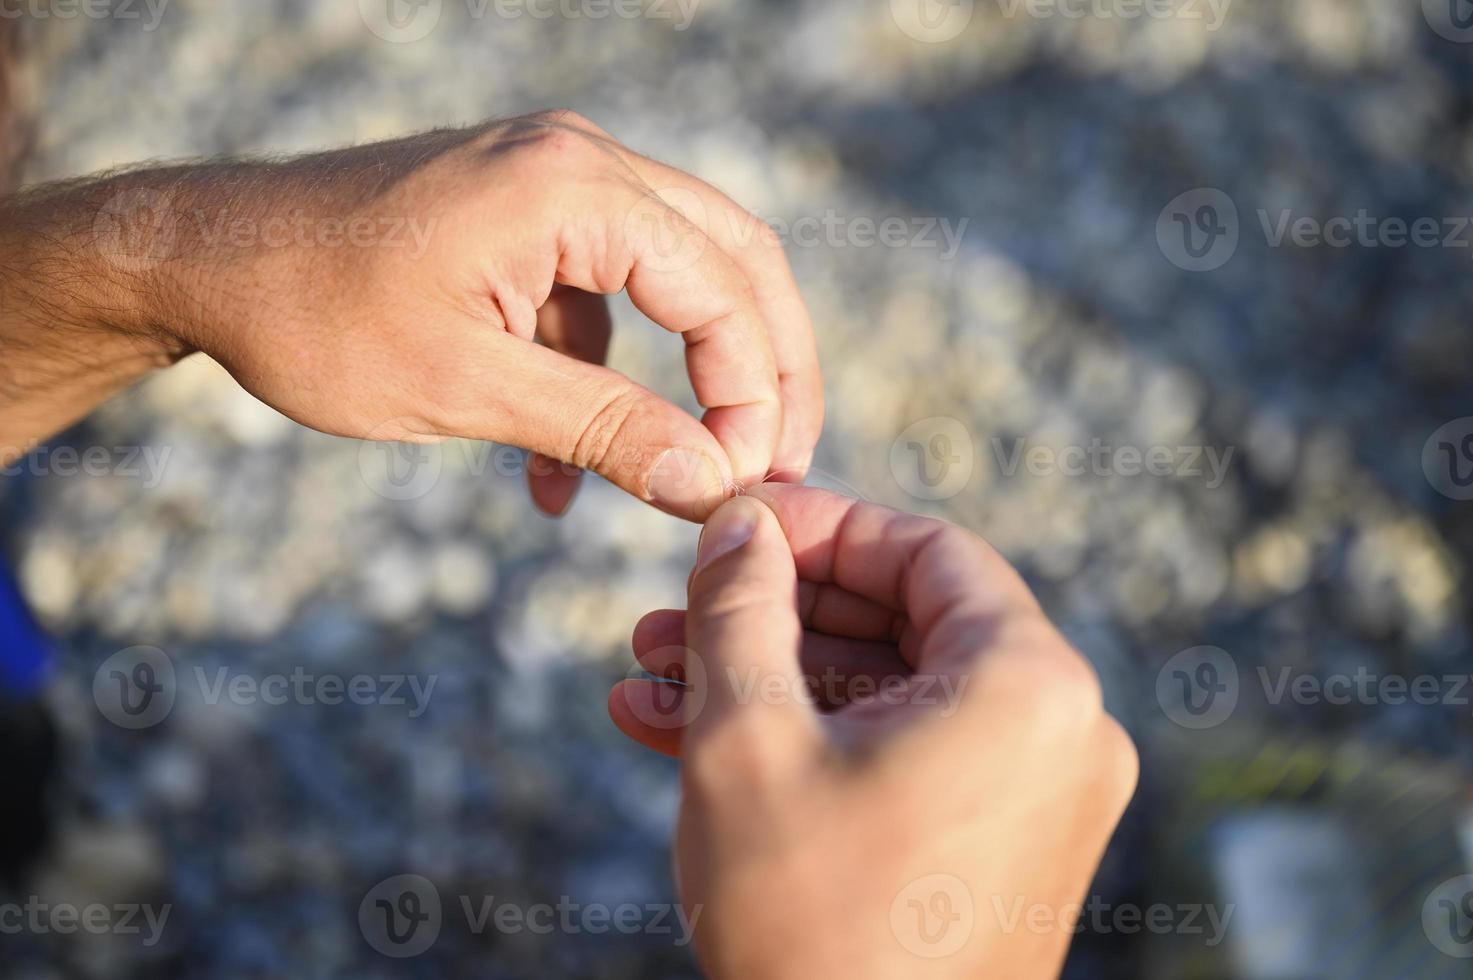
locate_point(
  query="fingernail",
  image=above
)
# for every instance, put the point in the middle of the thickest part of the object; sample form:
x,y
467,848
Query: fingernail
x,y
727,530
686,482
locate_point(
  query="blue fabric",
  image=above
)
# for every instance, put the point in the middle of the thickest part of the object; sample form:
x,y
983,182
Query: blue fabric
x,y
24,651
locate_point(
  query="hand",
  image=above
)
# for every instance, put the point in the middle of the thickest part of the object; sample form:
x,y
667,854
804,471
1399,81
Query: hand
x,y
394,291
890,821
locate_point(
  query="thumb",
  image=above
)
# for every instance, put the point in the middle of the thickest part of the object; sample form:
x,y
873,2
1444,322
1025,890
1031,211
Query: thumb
x,y
580,413
743,628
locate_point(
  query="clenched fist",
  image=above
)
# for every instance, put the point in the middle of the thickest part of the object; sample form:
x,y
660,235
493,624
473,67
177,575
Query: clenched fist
x,y
886,747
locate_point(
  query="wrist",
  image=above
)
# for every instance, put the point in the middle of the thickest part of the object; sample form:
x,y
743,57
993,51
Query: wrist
x,y
75,269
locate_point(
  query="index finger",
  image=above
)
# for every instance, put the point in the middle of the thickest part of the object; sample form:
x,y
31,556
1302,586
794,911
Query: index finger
x,y
681,280
937,574
758,252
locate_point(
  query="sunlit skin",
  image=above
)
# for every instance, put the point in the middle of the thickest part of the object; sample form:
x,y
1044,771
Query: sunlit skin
x,y
473,305
801,824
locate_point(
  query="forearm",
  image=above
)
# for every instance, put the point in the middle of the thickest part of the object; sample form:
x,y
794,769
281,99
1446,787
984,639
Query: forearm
x,y
103,280
73,326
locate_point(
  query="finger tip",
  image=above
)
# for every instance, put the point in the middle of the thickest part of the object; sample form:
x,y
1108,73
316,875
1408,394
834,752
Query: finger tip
x,y
657,629
553,493
688,483
624,701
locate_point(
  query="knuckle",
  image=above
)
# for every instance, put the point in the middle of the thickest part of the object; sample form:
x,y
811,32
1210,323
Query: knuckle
x,y
1122,765
599,436
1056,689
561,143
952,538
563,117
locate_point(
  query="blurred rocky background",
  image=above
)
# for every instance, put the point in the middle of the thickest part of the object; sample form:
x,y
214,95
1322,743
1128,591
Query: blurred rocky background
x,y
1082,275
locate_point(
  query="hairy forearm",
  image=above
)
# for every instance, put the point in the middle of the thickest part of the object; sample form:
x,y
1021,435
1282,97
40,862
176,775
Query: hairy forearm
x,y
105,279
72,324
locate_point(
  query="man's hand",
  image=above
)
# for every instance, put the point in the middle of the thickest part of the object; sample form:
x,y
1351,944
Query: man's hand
x,y
888,750
395,291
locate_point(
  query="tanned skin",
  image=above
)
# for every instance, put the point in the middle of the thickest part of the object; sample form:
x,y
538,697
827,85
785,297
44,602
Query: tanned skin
x,y
451,283
869,840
